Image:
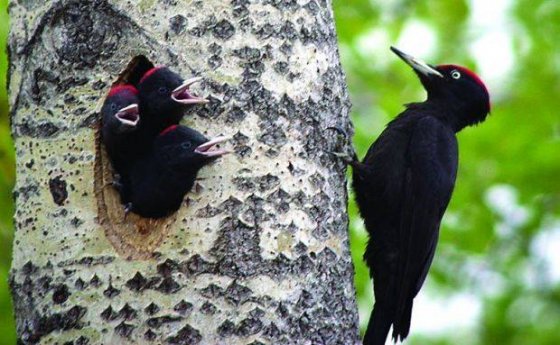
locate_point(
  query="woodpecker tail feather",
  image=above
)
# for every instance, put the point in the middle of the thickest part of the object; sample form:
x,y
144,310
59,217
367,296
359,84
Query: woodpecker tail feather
x,y
378,326
401,326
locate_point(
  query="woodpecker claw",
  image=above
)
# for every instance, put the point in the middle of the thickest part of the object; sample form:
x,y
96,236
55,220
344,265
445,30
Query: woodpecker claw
x,y
346,158
117,184
339,130
127,209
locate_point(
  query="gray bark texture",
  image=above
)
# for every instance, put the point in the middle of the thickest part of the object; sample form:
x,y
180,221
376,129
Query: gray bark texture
x,y
259,254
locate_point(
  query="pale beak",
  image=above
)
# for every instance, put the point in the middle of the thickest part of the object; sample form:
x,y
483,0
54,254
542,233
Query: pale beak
x,y
183,95
128,116
208,149
417,64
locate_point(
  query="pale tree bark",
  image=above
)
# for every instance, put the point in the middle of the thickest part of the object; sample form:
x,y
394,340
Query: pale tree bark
x,y
259,255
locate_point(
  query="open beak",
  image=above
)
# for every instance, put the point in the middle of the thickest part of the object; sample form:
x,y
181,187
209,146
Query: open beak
x,y
208,149
418,65
183,94
129,116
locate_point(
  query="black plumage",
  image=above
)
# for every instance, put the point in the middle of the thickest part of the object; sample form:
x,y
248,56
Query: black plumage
x,y
403,187
164,97
162,177
129,133
121,120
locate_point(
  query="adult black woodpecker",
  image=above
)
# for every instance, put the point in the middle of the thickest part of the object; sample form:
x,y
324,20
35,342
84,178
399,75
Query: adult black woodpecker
x,y
403,187
164,97
160,179
121,119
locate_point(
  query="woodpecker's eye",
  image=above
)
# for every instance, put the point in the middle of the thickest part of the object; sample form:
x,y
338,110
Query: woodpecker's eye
x,y
162,90
113,106
186,145
455,74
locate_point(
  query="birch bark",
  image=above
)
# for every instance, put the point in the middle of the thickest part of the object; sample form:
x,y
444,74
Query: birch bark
x,y
260,255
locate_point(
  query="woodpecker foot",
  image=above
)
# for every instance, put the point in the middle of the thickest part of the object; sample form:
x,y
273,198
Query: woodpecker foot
x,y
127,208
350,158
346,158
117,185
339,130
117,182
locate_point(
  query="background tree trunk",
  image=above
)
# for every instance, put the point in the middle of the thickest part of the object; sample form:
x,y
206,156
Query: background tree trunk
x,y
260,255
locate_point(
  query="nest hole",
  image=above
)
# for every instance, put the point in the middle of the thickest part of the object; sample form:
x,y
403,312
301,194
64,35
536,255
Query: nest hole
x,y
132,236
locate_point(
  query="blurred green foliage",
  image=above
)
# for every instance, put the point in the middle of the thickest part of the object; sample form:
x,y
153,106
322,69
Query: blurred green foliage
x,y
7,176
486,251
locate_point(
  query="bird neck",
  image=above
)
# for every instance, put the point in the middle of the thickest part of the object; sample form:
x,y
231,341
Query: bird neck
x,y
453,114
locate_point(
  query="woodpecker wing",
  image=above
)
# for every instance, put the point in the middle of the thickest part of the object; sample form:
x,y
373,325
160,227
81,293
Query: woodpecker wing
x,y
429,181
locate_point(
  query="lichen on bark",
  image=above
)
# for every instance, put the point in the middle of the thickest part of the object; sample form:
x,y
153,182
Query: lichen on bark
x,y
260,255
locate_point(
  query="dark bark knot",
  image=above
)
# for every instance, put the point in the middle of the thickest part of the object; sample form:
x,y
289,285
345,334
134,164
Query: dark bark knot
x,y
60,294
46,324
88,32
186,336
58,190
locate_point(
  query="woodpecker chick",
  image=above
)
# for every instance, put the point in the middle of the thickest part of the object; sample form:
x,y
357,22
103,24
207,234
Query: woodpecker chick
x,y
403,187
160,179
120,121
164,96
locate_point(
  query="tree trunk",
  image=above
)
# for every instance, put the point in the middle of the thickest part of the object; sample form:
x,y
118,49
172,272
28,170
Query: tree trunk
x,y
258,256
